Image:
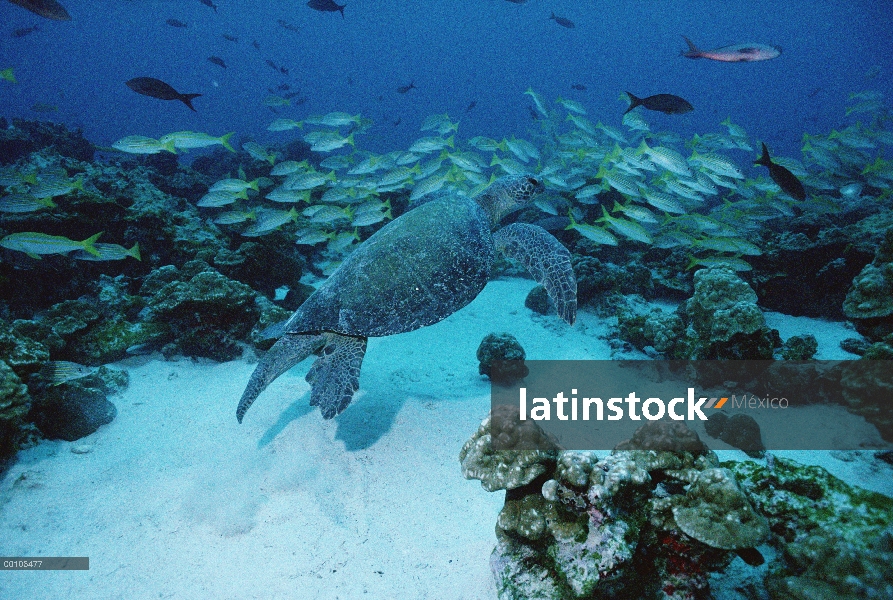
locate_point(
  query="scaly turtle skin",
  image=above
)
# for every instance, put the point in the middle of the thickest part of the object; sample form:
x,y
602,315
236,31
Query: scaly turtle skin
x,y
415,271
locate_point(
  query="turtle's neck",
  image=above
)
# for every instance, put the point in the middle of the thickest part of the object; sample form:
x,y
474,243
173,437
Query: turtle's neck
x,y
495,209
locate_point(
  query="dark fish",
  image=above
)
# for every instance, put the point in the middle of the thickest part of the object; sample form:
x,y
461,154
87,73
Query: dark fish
x,y
750,52
255,44
326,6
286,25
751,556
518,1
217,61
533,114
786,180
579,86
562,21
20,33
471,106
230,38
405,88
283,70
42,107
155,88
176,23
665,103
49,9
209,4
291,95
398,121
271,64
283,87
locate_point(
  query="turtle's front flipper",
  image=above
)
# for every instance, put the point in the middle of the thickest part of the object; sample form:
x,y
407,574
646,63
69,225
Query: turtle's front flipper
x,y
546,259
287,352
335,375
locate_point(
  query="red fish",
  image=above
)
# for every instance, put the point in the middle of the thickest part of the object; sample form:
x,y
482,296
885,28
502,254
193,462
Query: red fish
x,y
750,52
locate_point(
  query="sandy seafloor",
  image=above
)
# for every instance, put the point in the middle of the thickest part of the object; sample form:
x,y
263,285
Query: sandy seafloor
x,y
175,499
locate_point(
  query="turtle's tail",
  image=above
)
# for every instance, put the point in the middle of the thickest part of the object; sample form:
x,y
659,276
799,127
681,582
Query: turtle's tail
x,y
286,353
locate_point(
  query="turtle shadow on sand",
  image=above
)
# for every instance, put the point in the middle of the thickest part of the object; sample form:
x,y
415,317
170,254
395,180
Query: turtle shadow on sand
x,y
367,422
297,409
415,271
359,428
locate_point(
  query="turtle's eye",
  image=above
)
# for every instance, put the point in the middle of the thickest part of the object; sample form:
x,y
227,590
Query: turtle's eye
x,y
533,182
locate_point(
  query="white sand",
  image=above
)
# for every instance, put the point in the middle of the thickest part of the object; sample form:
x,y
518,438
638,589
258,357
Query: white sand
x,y
176,500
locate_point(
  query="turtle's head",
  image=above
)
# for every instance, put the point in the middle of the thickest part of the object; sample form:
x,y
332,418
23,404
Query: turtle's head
x,y
508,194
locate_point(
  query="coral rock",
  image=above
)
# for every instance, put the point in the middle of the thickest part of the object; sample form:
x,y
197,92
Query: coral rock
x,y
14,405
716,512
72,411
502,347
506,469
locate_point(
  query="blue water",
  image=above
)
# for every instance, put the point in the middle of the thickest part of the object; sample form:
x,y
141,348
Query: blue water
x,y
455,52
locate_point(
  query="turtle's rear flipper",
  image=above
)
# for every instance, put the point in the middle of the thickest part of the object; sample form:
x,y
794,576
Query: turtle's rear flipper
x,y
286,353
335,375
546,259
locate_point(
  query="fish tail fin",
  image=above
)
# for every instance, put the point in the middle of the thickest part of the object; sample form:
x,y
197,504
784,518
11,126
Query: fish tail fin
x,y
224,140
187,100
634,101
764,160
341,10
692,263
570,215
88,244
693,51
135,252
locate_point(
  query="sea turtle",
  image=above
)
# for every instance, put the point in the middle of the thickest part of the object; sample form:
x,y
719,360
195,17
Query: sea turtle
x,y
415,271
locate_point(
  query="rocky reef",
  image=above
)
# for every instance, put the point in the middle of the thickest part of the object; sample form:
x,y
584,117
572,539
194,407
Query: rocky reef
x,y
186,287
721,320
869,301
661,518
